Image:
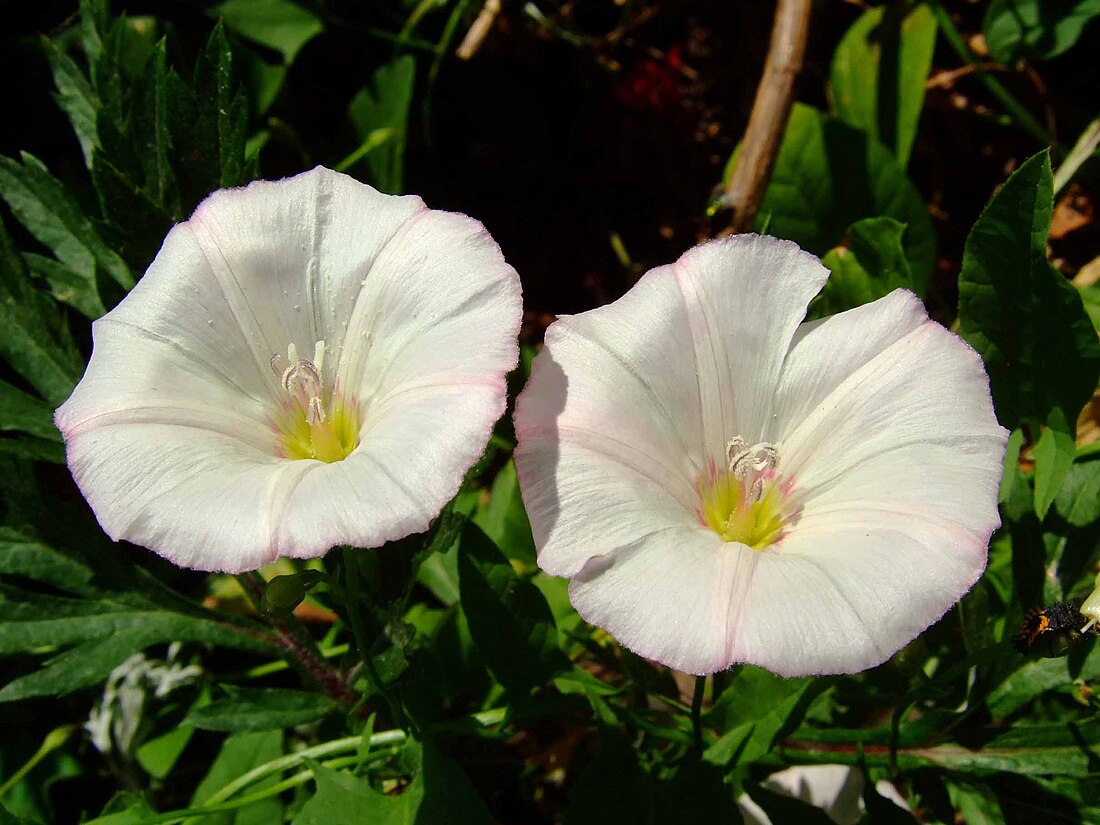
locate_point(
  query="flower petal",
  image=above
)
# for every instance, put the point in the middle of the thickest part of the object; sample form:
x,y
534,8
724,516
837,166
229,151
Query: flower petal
x,y
675,596
410,463
846,590
291,256
609,427
199,498
746,296
912,425
439,301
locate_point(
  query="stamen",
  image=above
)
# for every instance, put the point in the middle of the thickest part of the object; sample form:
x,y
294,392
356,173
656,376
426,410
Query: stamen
x,y
748,463
302,379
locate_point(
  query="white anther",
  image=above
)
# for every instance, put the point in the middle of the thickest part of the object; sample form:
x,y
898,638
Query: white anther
x,y
302,380
319,355
744,459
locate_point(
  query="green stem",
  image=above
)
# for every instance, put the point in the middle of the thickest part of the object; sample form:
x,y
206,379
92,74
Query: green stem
x,y
993,86
54,740
697,715
1082,150
358,630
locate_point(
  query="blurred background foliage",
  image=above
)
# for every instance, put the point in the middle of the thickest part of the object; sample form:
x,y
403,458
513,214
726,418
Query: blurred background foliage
x,y
445,679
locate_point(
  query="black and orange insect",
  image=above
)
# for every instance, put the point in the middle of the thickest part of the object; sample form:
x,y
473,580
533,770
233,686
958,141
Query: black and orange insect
x,y
1049,631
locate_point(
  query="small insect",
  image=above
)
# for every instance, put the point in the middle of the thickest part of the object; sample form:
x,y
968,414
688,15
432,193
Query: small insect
x,y
1049,631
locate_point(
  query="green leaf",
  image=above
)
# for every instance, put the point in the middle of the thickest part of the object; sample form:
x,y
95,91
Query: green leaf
x,y
151,136
67,285
1078,500
776,710
976,802
217,143
40,202
504,518
260,709
872,265
827,176
1036,29
1035,677
239,754
75,96
879,70
25,413
33,336
439,792
159,755
106,631
384,104
1054,454
278,24
1018,312
23,556
33,449
509,618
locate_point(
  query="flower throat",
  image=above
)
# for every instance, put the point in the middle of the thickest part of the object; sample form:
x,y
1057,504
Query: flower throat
x,y
314,423
746,502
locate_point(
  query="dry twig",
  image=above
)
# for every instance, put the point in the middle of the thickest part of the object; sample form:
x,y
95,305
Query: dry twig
x,y
770,109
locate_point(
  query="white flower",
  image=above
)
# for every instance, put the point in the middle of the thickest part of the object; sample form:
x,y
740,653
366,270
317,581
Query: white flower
x,y
724,485
204,430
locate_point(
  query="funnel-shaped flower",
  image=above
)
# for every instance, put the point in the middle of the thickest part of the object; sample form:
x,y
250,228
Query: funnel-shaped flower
x,y
722,484
306,363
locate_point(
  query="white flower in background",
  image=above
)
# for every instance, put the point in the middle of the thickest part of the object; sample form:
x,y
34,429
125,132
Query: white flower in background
x,y
115,719
836,789
722,484
307,363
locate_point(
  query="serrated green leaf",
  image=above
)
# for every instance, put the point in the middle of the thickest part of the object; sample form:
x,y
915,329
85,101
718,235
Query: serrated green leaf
x,y
872,265
879,70
829,175
260,709
75,96
23,556
67,285
1035,677
151,138
216,145
1021,315
384,104
1036,29
278,24
510,621
22,412
39,201
33,336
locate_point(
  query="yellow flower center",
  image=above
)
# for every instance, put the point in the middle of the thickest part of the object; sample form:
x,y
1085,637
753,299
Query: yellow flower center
x,y
746,502
315,423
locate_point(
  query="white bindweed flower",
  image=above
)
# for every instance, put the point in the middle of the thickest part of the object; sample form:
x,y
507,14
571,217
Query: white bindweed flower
x,y
722,484
307,363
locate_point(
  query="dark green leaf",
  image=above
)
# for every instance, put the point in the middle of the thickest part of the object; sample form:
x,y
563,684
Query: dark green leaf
x,y
22,556
75,96
67,285
241,753
384,104
260,709
1037,29
1054,453
152,140
439,792
1078,499
33,336
879,70
1035,677
33,449
504,519
25,413
828,175
1020,314
42,205
509,619
872,265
